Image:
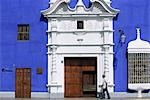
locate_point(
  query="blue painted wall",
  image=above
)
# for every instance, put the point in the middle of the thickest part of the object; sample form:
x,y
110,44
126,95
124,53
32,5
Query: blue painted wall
x,y
17,54
32,53
133,13
0,40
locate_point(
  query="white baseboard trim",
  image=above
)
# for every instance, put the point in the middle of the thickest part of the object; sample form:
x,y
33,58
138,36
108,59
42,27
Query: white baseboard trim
x,y
56,95
33,94
130,95
40,95
7,94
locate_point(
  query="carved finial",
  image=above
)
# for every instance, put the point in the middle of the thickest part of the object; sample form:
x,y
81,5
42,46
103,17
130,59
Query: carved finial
x,y
138,32
80,3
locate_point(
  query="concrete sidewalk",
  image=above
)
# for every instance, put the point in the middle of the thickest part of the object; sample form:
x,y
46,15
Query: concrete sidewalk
x,y
119,98
114,96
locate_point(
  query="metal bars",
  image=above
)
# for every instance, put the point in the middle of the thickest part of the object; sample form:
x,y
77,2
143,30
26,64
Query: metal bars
x,y
138,67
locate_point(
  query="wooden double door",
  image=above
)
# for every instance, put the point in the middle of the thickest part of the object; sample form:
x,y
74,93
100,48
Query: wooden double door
x,y
80,77
23,83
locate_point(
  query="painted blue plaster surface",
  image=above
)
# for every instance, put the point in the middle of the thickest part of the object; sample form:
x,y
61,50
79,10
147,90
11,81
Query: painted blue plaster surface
x,y
22,54
73,3
32,53
0,41
133,13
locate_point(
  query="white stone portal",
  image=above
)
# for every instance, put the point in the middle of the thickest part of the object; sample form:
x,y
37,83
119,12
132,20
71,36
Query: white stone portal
x,y
79,33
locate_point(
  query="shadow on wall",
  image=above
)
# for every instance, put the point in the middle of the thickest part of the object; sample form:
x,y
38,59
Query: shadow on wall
x,y
115,18
133,91
42,18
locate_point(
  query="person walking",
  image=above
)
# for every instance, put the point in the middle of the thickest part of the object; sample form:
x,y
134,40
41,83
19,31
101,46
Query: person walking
x,y
104,86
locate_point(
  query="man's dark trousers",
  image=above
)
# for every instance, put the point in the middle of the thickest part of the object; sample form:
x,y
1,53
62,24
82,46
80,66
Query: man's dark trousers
x,y
106,90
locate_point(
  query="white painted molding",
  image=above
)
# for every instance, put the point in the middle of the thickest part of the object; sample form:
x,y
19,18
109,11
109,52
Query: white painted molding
x,y
33,95
7,94
138,45
40,95
50,10
81,31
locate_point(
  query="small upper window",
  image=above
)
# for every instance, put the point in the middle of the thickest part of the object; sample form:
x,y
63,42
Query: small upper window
x,y
23,32
80,25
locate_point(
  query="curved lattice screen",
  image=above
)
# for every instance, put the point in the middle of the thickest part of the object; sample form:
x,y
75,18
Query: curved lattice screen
x,y
138,67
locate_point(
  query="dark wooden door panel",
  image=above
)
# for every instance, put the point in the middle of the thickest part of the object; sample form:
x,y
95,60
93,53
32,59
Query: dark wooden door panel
x,y
73,90
74,79
89,81
23,83
89,64
27,83
19,85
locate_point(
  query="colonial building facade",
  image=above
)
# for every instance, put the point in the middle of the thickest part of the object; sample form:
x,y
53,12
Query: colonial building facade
x,y
61,48
80,47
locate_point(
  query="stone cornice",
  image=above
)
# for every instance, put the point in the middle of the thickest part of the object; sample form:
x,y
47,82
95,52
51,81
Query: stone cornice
x,y
80,31
50,10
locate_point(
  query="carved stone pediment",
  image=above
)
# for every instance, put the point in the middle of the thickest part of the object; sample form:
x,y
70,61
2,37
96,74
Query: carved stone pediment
x,y
96,8
60,7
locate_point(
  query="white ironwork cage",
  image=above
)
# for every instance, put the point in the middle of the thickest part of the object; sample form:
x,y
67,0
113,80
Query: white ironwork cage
x,y
139,64
138,67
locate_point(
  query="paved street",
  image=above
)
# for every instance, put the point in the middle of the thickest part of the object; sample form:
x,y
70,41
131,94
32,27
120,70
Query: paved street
x,y
119,98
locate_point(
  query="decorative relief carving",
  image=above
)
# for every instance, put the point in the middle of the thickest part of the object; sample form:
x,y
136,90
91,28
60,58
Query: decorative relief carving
x,y
79,33
53,48
106,24
54,24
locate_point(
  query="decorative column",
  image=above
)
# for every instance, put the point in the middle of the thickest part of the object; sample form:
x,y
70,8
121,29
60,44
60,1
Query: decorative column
x,y
106,59
52,48
53,64
53,80
106,39
108,51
